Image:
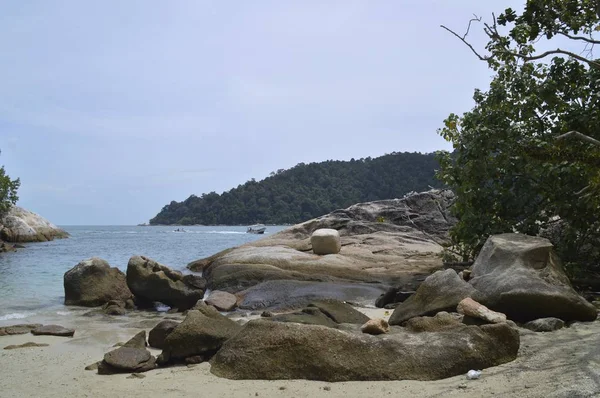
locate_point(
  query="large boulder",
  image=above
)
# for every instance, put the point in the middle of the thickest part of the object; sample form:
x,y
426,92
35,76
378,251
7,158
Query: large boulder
x,y
150,281
18,329
20,225
93,282
273,350
441,291
325,241
202,332
384,243
522,277
53,330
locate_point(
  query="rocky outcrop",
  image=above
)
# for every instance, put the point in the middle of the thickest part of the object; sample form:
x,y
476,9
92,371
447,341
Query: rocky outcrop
x,y
441,291
325,241
132,357
274,350
150,281
157,336
222,301
438,323
391,242
522,277
202,332
20,225
93,282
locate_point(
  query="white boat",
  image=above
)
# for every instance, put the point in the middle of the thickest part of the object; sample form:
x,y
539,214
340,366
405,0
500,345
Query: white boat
x,y
256,229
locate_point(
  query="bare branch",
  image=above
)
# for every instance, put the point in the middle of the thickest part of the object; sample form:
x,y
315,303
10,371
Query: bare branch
x,y
466,42
579,135
475,19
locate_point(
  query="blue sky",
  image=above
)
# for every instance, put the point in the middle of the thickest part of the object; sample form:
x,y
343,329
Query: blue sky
x,y
111,109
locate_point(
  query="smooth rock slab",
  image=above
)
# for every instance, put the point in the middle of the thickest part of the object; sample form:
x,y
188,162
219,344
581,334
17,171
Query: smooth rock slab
x,y
53,330
545,324
282,351
18,329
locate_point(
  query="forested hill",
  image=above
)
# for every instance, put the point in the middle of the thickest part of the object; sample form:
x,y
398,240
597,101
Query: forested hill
x,y
306,191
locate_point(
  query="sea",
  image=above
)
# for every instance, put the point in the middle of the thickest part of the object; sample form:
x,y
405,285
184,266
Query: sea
x,y
31,279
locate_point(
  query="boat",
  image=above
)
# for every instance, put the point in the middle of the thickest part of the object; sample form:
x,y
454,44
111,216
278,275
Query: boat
x,y
179,230
256,229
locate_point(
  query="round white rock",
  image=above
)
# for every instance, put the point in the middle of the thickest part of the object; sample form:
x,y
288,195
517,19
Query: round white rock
x,y
326,241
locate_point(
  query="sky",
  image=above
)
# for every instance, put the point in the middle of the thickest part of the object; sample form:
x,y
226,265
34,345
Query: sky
x,y
112,109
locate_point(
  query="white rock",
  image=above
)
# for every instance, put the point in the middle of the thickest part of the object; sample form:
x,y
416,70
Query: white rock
x,y
326,241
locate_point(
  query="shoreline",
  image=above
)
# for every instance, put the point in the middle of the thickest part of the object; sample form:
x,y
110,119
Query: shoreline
x,y
554,364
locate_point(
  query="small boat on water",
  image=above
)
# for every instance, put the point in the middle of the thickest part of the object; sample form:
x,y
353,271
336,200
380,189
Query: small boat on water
x,y
256,229
179,230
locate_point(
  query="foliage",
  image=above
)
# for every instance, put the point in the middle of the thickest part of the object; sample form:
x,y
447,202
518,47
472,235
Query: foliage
x,y
307,191
8,191
509,169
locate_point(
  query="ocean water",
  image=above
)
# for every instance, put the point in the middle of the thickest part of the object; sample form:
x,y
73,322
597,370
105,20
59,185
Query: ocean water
x,y
31,279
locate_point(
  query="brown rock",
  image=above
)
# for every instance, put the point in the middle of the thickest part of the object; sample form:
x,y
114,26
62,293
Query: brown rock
x,y
375,326
472,308
18,329
222,301
157,336
53,330
25,345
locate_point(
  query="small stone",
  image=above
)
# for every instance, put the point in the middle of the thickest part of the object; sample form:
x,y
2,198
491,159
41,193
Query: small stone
x,y
327,388
194,360
136,376
375,326
282,388
545,324
462,386
266,314
93,366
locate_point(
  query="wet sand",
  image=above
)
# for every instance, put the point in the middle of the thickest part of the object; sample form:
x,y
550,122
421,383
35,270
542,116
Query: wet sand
x,y
565,363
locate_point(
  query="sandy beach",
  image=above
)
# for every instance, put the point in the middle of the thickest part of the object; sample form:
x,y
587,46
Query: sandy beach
x,y
557,364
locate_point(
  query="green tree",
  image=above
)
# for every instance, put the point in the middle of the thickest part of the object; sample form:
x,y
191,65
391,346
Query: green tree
x,y
8,191
528,153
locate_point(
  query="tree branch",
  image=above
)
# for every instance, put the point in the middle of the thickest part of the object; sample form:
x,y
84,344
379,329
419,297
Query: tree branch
x,y
579,135
592,41
550,52
466,42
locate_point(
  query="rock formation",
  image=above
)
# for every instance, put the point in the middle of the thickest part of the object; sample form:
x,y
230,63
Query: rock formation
x,y
522,277
399,251
20,225
151,282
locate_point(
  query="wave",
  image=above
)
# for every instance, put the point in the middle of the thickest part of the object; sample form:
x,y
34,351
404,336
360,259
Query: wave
x,y
15,315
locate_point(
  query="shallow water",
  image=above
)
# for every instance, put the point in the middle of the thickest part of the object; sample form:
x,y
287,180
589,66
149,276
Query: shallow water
x,y
31,279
